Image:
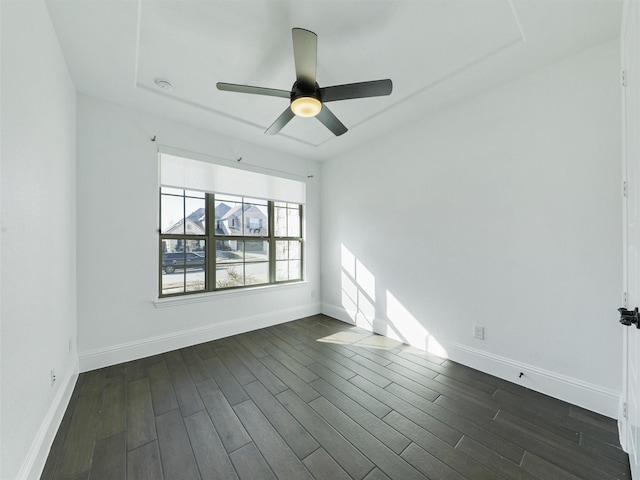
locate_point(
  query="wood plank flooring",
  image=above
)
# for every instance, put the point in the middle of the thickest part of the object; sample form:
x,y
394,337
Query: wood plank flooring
x,y
317,398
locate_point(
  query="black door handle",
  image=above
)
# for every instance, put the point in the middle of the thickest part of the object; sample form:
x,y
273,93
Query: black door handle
x,y
629,317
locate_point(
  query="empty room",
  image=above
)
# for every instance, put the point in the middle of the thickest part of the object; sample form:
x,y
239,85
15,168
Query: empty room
x,y
279,239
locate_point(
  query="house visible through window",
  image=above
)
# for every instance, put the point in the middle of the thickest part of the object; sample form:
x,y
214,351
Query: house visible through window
x,y
211,241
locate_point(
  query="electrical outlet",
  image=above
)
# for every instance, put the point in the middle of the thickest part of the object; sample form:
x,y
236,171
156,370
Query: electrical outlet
x,y
478,332
53,376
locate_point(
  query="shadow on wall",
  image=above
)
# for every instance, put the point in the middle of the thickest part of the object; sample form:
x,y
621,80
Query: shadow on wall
x,y
380,310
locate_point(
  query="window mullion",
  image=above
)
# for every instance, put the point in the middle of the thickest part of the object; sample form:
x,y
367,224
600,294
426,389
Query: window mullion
x,y
302,247
272,243
210,209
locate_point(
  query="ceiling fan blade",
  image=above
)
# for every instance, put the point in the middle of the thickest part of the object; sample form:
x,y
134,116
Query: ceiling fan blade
x,y
271,92
280,122
305,55
374,88
330,121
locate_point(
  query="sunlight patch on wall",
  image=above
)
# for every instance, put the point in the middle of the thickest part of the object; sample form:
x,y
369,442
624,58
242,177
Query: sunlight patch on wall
x,y
358,290
349,296
403,326
392,319
366,280
348,261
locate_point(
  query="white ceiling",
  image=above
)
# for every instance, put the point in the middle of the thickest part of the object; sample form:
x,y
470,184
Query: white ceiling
x,y
435,51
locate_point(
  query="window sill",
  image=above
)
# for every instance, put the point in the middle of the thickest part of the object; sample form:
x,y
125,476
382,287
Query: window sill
x,y
211,296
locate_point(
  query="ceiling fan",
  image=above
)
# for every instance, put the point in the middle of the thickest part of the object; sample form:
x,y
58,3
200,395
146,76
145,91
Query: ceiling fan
x,y
306,96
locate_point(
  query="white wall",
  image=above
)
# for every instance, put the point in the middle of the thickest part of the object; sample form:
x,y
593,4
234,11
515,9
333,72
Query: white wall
x,y
503,211
118,241
38,237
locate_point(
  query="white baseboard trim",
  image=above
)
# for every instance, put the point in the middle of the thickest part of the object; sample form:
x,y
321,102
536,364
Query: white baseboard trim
x,y
572,390
113,355
34,462
569,389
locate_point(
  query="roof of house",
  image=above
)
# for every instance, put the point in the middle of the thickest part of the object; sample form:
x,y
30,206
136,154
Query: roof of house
x,y
248,208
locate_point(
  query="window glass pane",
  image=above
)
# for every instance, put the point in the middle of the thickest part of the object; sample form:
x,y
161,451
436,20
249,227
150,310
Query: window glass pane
x,y
280,221
282,270
256,251
197,246
183,254
228,216
294,270
256,219
294,250
195,216
172,246
172,283
229,251
195,263
172,277
282,250
172,209
256,273
195,280
288,250
231,275
293,222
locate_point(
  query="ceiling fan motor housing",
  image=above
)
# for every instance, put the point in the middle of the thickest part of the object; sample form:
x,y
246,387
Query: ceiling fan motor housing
x,y
300,89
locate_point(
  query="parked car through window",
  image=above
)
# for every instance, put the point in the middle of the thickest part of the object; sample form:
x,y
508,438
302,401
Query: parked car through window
x,y
181,260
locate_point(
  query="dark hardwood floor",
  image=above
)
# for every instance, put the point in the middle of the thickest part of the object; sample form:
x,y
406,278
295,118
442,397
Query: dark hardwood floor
x,y
317,398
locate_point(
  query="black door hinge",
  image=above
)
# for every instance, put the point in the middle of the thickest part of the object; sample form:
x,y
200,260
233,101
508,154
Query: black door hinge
x,y
629,317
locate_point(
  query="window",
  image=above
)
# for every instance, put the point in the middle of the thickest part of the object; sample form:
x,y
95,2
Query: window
x,y
211,241
242,259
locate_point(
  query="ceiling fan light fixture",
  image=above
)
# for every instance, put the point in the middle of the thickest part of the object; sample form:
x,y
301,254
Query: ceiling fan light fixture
x,y
306,106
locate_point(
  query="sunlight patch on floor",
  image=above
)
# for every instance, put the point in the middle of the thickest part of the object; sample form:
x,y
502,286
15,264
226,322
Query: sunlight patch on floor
x,y
345,337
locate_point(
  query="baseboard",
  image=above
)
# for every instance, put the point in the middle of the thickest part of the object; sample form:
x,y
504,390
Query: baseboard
x,y
572,390
104,357
37,456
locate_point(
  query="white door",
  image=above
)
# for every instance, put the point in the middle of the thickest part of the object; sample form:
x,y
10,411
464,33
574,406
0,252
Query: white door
x,y
630,46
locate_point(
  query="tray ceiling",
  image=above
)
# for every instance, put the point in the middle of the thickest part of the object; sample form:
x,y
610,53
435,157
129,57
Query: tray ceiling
x,y
436,52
